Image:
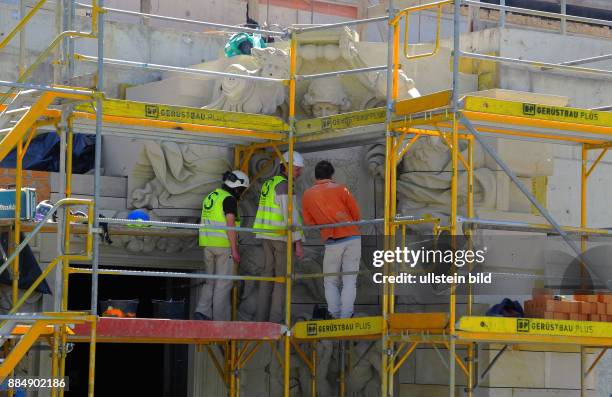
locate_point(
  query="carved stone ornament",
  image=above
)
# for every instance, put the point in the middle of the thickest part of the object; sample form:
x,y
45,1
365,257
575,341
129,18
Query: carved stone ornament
x,y
251,96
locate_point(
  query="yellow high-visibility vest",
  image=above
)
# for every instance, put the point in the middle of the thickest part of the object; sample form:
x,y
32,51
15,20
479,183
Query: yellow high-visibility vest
x,y
213,214
269,214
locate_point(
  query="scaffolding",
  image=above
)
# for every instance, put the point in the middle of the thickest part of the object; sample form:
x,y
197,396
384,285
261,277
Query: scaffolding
x,y
400,123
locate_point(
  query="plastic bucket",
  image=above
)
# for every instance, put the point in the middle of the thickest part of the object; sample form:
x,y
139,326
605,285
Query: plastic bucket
x,y
172,309
119,308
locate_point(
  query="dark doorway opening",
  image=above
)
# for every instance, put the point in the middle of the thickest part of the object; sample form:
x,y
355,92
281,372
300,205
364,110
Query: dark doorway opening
x,y
126,369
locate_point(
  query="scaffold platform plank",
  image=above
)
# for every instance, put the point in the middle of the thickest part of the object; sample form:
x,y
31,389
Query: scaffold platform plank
x,y
423,103
534,330
151,330
344,328
184,114
418,322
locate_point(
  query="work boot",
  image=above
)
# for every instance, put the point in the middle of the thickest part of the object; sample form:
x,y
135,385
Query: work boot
x,y
201,316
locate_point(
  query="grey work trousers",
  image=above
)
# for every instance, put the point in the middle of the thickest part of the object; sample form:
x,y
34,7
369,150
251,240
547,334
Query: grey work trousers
x,y
343,256
215,295
271,295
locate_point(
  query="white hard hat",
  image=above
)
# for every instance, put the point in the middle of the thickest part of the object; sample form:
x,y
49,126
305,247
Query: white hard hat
x,y
236,179
298,160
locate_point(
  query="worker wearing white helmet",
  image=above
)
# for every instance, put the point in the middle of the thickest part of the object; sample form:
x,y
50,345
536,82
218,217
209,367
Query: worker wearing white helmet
x,y
272,215
221,256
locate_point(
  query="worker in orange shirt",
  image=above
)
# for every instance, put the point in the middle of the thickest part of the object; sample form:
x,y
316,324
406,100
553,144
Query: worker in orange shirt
x,y
329,202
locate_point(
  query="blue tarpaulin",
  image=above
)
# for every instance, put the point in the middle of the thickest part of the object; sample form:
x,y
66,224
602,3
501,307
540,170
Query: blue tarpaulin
x,y
29,270
44,152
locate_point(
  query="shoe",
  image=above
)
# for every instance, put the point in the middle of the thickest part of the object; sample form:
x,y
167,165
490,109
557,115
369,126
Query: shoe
x,y
201,316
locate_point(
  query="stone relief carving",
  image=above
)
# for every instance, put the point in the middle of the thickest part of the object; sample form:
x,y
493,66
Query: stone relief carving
x,y
364,378
375,81
152,244
251,96
325,97
424,177
181,174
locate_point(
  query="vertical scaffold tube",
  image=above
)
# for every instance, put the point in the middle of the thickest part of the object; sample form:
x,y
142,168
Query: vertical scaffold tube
x,y
470,214
17,229
453,231
454,185
288,284
583,247
97,180
313,380
387,374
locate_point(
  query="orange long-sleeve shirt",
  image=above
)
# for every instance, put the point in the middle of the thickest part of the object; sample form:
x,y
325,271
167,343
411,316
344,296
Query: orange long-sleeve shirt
x,y
329,202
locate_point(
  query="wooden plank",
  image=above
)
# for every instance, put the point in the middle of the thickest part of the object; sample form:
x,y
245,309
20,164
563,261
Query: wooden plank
x,y
151,330
418,321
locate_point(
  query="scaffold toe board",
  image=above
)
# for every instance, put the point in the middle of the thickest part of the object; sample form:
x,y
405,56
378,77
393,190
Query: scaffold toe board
x,y
418,322
151,330
344,328
534,330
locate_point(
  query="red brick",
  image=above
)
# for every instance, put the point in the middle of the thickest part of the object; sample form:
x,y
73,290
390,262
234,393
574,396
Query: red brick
x,y
548,315
580,298
574,306
542,294
39,180
601,308
585,307
574,316
561,316
594,317
556,306
605,298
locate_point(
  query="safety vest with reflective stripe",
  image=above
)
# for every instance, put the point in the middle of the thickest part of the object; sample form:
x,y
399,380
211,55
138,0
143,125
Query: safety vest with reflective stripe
x,y
213,214
270,216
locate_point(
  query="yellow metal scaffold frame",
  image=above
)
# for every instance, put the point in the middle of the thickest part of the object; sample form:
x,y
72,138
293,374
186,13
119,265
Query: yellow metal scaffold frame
x,y
441,114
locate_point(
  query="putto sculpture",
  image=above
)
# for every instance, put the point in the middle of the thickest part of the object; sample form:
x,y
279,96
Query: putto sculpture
x,y
325,97
236,94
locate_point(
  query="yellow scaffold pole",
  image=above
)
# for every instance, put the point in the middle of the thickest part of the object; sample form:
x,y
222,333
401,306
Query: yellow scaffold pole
x,y
288,281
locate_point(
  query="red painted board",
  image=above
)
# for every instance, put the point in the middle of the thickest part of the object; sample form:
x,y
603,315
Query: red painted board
x,y
150,330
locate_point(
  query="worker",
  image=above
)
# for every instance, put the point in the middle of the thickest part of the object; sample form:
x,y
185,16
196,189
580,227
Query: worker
x,y
272,215
221,256
325,203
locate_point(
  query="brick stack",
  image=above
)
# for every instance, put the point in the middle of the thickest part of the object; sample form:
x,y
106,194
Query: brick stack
x,y
582,308
600,306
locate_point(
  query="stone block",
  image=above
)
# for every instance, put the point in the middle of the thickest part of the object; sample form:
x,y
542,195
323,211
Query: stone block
x,y
105,203
515,369
434,372
526,159
502,191
415,390
110,186
522,96
407,372
549,393
517,201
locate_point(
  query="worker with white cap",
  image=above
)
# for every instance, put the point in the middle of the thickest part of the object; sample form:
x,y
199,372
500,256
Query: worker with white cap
x,y
272,215
221,256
